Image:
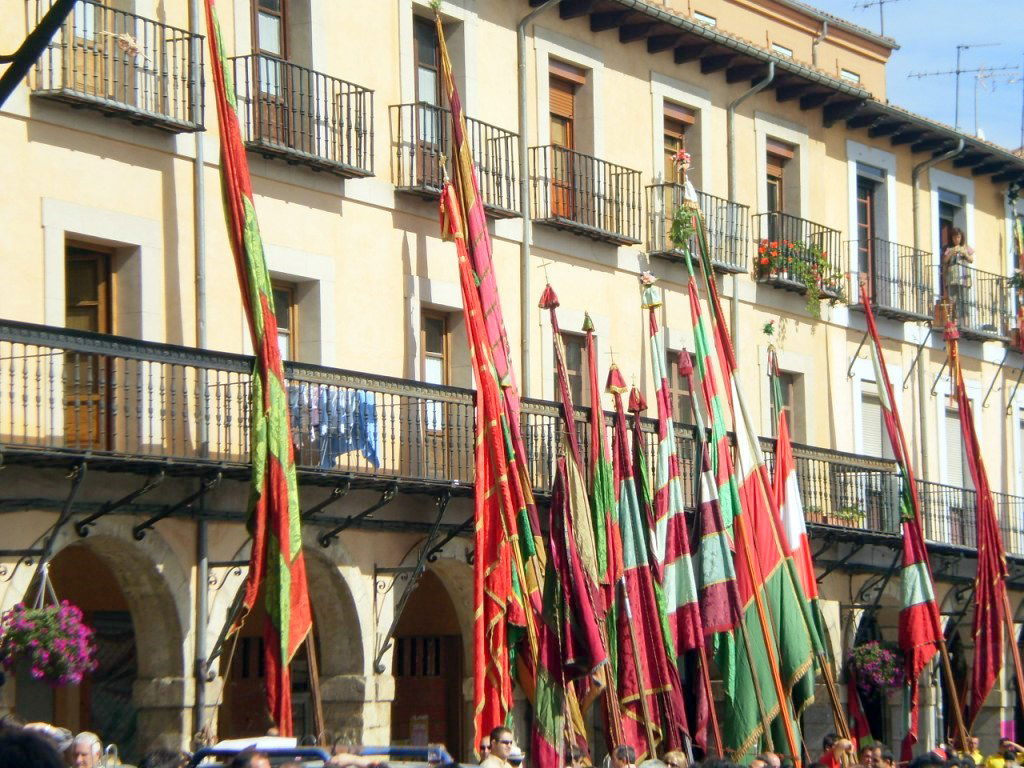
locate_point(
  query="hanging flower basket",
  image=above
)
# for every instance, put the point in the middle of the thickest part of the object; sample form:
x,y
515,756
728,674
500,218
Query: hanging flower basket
x,y
52,640
879,667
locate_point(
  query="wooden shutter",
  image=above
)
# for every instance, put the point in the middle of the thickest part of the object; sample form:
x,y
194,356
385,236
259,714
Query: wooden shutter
x,y
563,97
680,115
871,425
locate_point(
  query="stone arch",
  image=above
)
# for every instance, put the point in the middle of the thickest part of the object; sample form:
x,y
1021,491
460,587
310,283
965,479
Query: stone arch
x,y
156,592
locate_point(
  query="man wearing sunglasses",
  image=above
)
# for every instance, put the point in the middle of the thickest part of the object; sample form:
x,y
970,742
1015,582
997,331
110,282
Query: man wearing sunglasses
x,y
500,744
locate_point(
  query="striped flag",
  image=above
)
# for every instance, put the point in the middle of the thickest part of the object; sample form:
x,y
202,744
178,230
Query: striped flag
x,y
673,563
647,665
276,565
919,627
990,599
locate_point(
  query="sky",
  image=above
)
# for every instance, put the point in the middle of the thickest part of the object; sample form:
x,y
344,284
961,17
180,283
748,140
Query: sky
x,y
928,32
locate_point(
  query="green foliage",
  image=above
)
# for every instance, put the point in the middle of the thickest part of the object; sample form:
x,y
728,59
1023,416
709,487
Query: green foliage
x,y
803,263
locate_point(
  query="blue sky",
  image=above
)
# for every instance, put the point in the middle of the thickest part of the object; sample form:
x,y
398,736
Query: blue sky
x,y
928,32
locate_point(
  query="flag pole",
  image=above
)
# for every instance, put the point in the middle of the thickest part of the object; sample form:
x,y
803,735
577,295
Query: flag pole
x,y
712,713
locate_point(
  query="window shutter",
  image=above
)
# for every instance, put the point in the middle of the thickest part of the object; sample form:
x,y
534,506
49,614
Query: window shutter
x,y
562,95
871,425
954,450
679,114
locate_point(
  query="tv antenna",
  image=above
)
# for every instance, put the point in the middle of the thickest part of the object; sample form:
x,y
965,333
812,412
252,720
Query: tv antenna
x,y
881,10
986,79
961,71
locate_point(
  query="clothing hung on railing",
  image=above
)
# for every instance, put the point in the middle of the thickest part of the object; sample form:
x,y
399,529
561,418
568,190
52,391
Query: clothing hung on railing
x,y
332,421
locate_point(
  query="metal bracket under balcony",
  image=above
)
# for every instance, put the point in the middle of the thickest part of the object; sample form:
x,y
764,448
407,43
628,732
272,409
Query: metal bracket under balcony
x,y
585,195
422,143
304,117
978,301
900,279
792,252
727,225
123,65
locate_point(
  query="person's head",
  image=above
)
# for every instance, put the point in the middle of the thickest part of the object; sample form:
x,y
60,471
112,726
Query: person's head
x,y
86,750
11,720
675,759
250,758
886,759
1009,756
774,761
956,237
927,760
501,742
867,756
759,761
573,756
975,743
623,755
829,741
21,747
485,746
163,758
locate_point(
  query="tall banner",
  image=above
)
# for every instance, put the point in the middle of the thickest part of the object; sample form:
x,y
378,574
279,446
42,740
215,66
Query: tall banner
x,y
276,565
990,596
919,628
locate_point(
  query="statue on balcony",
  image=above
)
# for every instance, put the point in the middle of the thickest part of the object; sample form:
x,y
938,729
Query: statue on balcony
x,y
956,260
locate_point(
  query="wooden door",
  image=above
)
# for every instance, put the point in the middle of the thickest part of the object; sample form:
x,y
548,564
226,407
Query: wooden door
x,y
866,238
434,369
564,191
86,377
429,119
272,94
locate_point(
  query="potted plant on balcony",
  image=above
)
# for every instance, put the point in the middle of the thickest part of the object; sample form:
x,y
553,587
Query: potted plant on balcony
x,y
52,640
805,264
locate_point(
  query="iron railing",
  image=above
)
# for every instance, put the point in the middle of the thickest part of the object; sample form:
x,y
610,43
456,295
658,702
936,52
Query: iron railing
x,y
899,278
580,193
790,248
979,301
304,116
70,391
124,65
422,136
727,226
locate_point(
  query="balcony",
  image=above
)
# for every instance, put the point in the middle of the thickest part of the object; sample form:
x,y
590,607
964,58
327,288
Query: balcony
x,y
979,301
795,254
584,195
304,117
900,279
123,65
141,406
727,226
422,136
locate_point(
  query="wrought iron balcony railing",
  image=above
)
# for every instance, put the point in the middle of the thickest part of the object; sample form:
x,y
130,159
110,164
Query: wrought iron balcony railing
x,y
124,65
979,301
793,253
728,226
582,194
69,392
422,136
304,116
899,278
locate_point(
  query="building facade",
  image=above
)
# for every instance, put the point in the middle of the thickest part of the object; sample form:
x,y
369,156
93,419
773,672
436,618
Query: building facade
x,y
124,375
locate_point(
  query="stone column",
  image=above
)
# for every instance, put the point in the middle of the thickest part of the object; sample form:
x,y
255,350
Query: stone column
x,y
357,708
164,712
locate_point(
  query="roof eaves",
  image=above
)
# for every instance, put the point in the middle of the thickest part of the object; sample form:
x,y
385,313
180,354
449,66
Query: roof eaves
x,y
747,48
842,23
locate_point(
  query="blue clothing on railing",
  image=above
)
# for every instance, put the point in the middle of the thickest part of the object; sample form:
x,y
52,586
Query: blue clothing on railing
x,y
348,422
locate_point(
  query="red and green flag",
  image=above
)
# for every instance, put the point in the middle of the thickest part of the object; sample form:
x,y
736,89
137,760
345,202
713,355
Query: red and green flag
x,y
649,686
919,628
276,566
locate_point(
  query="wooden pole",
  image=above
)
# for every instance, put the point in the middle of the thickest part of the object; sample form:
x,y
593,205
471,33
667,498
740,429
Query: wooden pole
x,y
709,692
1008,621
314,689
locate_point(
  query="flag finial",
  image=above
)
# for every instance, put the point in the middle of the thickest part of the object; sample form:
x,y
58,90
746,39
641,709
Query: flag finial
x,y
548,299
616,384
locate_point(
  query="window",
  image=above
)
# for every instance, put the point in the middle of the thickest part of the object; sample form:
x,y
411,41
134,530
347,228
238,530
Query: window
x,y
564,81
286,314
954,469
872,426
778,156
270,28
87,296
575,347
788,383
434,363
849,76
951,214
428,62
703,18
1020,458
869,186
677,120
679,390
782,50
